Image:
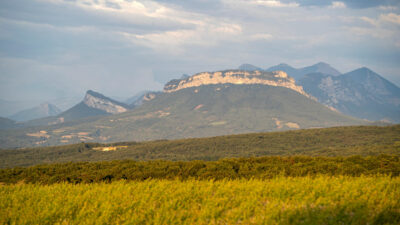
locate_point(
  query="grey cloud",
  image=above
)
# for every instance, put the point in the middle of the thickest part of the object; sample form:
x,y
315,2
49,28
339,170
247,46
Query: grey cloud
x,y
49,50
113,5
349,3
71,15
207,6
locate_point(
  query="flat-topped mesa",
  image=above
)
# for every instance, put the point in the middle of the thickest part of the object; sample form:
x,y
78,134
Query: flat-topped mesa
x,y
276,78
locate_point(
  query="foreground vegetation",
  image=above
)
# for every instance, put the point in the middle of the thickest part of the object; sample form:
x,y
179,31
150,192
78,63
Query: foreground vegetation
x,y
343,175
282,200
248,168
337,141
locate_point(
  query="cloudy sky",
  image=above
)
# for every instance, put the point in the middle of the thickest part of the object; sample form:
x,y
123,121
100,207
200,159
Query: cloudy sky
x,y
61,48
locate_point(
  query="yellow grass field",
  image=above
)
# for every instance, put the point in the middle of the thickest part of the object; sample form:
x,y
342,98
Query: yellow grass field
x,y
282,200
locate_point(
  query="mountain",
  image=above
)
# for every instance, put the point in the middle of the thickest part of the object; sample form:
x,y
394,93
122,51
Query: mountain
x,y
320,67
94,104
205,104
293,72
64,103
6,123
136,97
147,96
360,93
249,67
43,110
9,107
143,96
297,74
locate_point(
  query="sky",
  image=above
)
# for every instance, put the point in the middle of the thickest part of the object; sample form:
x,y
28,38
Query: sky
x,y
61,48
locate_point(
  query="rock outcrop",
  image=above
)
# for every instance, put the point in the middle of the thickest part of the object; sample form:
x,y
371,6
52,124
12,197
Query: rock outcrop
x,y
275,78
98,101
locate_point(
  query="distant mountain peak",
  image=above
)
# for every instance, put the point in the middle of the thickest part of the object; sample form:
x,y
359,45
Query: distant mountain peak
x,y
321,64
95,94
98,101
364,69
249,67
283,67
93,105
321,67
363,73
43,110
284,64
297,74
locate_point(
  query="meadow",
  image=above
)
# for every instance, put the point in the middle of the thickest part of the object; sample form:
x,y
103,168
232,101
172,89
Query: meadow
x,y
280,200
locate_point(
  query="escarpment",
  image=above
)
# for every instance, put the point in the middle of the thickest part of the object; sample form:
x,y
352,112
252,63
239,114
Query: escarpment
x,y
276,78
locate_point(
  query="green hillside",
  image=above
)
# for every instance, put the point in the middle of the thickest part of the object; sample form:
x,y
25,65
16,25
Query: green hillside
x,y
203,111
338,141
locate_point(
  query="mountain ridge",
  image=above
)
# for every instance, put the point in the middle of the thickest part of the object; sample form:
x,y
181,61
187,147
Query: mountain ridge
x,y
94,105
361,93
209,104
298,73
249,67
41,111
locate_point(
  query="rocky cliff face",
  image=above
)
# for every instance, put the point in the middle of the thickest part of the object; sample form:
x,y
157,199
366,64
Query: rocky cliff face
x,y
98,101
276,78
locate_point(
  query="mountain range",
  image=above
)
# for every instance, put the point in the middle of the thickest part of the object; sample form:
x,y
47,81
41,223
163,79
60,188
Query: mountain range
x,y
205,104
217,103
9,107
297,74
361,93
93,106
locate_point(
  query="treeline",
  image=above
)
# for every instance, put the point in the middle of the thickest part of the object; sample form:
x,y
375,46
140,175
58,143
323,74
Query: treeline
x,y
236,168
337,141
